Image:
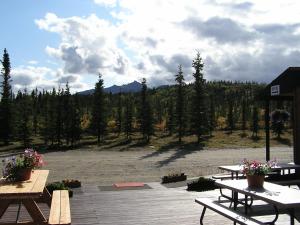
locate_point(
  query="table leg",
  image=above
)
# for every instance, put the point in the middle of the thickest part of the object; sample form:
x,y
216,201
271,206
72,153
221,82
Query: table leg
x,y
235,200
34,211
246,204
292,216
18,214
3,207
47,197
236,175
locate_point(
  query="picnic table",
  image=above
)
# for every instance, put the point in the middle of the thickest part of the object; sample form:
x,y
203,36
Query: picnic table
x,y
273,194
31,192
235,170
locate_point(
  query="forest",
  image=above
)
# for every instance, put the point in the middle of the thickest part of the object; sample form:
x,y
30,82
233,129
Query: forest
x,y
58,118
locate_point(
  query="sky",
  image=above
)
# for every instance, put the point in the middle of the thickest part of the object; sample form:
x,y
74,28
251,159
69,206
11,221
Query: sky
x,y
52,42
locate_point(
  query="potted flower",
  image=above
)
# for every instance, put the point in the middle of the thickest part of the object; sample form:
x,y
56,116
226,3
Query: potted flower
x,y
19,168
255,171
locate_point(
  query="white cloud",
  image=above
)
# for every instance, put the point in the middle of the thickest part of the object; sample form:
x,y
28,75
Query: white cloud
x,y
110,3
88,45
31,77
237,39
33,62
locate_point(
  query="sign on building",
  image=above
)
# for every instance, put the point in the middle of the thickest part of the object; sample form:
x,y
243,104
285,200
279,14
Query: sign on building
x,y
275,90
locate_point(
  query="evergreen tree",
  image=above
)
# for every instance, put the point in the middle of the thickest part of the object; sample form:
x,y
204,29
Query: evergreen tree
x,y
59,129
230,98
35,110
67,113
145,113
75,126
180,102
5,104
52,117
212,115
24,123
98,110
278,118
255,120
119,113
199,109
128,117
45,131
244,116
170,118
230,119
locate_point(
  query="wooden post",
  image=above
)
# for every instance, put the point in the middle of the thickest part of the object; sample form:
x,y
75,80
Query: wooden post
x,y
267,129
296,127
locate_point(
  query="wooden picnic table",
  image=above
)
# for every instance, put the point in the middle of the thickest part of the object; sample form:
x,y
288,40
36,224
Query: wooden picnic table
x,y
28,193
276,195
235,170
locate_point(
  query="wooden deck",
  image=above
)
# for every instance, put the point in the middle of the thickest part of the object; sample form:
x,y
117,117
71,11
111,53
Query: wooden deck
x,y
159,205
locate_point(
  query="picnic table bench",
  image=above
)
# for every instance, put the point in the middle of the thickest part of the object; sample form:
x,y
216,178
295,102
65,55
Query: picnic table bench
x,y
32,192
228,213
60,208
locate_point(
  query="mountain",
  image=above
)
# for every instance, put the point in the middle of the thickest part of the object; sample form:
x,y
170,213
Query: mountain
x,y
126,88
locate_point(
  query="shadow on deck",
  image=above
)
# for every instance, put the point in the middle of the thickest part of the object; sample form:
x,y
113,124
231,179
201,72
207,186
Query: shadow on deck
x,y
158,205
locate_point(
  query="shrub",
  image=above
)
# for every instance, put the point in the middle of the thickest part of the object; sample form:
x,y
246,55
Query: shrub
x,y
58,186
174,177
278,119
72,183
202,184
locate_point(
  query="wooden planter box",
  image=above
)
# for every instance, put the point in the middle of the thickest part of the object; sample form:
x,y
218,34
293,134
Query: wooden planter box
x,y
173,178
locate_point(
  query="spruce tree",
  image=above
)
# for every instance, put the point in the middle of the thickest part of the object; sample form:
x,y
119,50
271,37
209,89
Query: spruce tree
x,y
212,115
180,103
5,104
35,110
170,116
128,117
67,111
52,117
119,113
59,129
255,121
230,119
45,132
145,113
244,119
75,120
98,110
24,123
199,121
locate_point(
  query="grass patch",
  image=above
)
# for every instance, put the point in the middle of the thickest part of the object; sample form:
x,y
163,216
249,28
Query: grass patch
x,y
163,142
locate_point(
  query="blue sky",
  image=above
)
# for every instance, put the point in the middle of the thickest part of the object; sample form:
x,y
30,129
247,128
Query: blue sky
x,y
58,41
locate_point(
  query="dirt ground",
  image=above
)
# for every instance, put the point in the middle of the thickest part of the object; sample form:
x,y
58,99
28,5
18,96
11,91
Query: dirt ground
x,y
147,165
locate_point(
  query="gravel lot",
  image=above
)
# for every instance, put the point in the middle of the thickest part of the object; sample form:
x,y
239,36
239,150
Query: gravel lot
x,y
147,165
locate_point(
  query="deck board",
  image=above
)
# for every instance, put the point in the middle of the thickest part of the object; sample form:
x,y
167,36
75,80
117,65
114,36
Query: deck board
x,y
159,205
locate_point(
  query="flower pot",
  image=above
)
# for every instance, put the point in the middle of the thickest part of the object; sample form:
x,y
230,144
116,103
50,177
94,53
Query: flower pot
x,y
24,174
255,181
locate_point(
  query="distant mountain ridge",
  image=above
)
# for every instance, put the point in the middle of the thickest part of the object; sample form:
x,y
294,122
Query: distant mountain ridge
x,y
132,87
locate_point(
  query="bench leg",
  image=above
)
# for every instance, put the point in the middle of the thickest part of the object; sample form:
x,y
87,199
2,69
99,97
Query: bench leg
x,y
34,211
4,206
202,215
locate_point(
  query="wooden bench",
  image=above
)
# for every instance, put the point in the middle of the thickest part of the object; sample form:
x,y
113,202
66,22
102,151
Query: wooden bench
x,y
230,214
60,208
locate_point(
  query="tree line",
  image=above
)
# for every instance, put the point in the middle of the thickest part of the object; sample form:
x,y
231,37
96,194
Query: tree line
x,y
61,118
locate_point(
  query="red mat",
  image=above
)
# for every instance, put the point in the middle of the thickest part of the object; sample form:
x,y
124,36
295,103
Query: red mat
x,y
128,184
